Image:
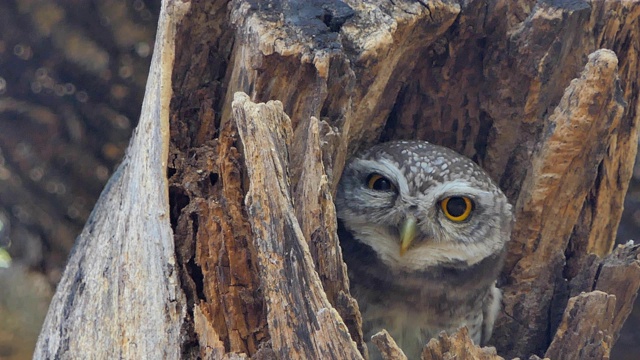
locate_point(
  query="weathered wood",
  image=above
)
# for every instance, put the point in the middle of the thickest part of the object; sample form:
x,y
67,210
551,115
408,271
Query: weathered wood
x,y
387,346
457,346
348,71
119,296
616,274
563,170
302,322
211,347
619,275
586,325
316,215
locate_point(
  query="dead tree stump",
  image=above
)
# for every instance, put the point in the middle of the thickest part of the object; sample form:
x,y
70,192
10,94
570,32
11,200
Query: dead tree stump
x,y
254,269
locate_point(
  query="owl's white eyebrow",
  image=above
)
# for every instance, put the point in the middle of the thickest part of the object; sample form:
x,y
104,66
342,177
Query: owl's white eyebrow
x,y
388,169
461,187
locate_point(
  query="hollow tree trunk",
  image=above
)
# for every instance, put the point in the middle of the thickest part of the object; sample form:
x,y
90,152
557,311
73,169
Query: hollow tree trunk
x,y
254,268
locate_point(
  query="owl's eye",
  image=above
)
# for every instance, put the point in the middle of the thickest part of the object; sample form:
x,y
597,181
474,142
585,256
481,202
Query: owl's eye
x,y
456,208
379,183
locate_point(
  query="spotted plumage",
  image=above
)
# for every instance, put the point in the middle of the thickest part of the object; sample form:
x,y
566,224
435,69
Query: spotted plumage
x,y
423,231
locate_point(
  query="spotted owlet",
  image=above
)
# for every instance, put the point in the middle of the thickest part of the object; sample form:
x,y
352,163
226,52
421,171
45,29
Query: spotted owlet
x,y
423,231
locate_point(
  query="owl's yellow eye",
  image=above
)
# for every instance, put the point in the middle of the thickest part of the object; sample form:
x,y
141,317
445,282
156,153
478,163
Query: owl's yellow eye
x,y
379,183
456,208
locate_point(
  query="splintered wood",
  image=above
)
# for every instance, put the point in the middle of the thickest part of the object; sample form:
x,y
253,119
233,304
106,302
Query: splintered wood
x,y
302,322
564,168
387,346
457,346
593,338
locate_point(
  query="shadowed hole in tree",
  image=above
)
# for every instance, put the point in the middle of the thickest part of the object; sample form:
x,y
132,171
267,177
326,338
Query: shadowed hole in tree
x,y
213,178
335,14
206,183
178,199
195,273
170,172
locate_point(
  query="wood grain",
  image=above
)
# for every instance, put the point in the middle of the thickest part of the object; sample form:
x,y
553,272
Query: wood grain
x,y
457,346
302,322
119,296
563,170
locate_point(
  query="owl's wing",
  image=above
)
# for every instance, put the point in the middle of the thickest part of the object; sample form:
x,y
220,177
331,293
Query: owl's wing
x,y
490,309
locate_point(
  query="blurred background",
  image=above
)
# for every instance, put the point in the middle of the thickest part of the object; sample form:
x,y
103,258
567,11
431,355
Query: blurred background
x,y
72,77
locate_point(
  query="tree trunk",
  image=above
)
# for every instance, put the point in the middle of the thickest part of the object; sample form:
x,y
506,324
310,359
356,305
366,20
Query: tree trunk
x,y
254,266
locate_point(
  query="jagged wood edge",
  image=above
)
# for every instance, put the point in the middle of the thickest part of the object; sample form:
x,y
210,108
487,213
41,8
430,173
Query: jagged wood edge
x,y
564,169
302,322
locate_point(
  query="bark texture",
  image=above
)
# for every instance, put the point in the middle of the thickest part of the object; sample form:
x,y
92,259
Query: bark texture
x,y
387,346
292,290
457,346
119,296
525,89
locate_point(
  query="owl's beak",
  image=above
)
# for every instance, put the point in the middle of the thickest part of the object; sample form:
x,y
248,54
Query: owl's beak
x,y
407,233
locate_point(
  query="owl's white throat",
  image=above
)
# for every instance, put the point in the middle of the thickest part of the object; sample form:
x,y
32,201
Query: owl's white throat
x,y
424,251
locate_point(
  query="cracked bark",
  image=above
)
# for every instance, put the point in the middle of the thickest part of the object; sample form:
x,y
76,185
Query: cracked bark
x,y
522,89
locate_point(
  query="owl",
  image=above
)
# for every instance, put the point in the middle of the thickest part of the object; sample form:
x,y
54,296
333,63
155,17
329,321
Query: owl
x,y
423,232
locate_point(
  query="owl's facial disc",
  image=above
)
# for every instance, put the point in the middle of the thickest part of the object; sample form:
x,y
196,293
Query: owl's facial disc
x,y
418,205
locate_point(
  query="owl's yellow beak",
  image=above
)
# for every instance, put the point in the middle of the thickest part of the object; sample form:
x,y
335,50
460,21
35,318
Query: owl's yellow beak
x,y
407,233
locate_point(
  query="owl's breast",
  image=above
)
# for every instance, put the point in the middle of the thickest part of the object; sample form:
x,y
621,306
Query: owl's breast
x,y
412,327
416,306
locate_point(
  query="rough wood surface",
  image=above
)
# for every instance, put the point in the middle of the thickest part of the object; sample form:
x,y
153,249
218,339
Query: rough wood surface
x,y
347,71
213,246
457,346
316,215
563,170
619,274
302,322
586,325
119,296
387,346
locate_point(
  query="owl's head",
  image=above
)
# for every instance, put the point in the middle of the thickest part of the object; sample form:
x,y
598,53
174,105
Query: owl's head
x,y
418,205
